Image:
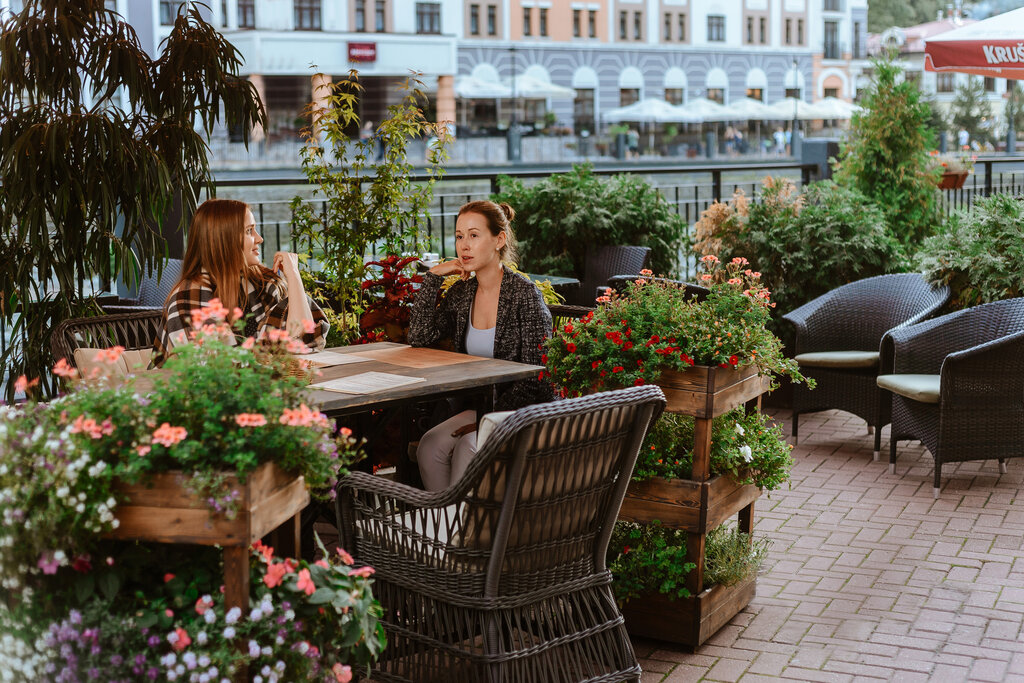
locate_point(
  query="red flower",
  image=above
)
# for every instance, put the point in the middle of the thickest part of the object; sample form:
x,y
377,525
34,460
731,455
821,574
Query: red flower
x,y
568,328
618,368
570,347
544,358
638,382
603,373
593,366
627,345
734,360
82,564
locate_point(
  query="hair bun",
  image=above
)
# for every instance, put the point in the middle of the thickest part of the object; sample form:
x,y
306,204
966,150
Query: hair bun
x,y
509,212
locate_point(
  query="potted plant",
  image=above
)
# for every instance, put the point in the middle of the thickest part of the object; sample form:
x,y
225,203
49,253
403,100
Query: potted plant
x,y
953,168
212,455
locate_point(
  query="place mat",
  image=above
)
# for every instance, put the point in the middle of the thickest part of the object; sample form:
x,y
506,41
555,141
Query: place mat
x,y
410,357
328,359
367,383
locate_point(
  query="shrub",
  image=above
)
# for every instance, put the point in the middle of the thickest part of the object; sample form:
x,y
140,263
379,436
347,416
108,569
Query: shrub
x,y
561,218
980,253
803,245
648,558
731,556
885,156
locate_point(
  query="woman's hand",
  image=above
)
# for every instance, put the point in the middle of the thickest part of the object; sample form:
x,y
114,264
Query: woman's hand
x,y
286,263
453,267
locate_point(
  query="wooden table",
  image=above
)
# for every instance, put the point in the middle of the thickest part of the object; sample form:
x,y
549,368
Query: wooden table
x,y
445,373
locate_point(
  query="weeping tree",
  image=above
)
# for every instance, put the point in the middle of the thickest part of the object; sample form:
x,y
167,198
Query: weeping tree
x,y
96,141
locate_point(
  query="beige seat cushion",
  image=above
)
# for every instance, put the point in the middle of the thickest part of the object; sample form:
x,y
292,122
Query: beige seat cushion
x,y
838,359
91,367
923,388
488,423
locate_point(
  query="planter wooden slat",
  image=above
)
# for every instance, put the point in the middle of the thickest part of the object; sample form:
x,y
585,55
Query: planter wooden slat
x,y
697,507
710,392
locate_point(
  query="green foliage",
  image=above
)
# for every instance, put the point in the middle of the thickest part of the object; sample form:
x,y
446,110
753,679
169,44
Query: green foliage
x,y
972,112
883,14
561,218
979,254
803,245
1015,108
83,178
356,202
748,448
731,556
885,156
648,558
387,317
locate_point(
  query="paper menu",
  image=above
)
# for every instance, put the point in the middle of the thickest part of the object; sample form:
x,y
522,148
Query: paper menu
x,y
367,383
326,359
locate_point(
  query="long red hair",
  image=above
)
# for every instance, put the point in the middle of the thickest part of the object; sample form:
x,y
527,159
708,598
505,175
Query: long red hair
x,y
216,237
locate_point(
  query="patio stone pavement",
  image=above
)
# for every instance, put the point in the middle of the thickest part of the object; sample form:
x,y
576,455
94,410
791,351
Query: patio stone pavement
x,y
871,579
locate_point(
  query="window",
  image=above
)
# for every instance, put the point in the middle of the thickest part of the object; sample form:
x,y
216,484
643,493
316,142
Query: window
x,y
168,11
360,15
856,40
990,84
674,95
492,20
628,96
833,6
474,20
789,31
944,83
668,27
307,15
831,92
755,94
717,95
915,77
428,17
543,21
799,31
638,30
750,30
623,18
682,28
764,30
527,14
716,29
832,40
246,13
378,17
223,10
583,110
592,23
577,28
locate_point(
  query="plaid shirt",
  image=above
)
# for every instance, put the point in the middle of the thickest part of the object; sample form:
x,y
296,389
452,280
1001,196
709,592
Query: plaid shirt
x,y
267,305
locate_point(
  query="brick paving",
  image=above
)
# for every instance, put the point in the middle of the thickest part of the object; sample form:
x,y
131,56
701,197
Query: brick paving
x,y
871,579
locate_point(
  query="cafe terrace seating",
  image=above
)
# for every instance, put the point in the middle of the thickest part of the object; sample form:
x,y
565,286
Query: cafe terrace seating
x,y
153,290
957,384
78,339
502,576
604,262
837,340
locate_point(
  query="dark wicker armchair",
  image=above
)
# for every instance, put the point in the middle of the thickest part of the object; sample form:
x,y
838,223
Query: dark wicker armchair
x,y
153,291
563,313
604,262
133,331
837,340
957,384
502,577
690,290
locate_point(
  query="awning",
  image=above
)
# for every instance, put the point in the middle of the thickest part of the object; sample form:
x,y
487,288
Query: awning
x,y
650,110
993,47
530,87
473,88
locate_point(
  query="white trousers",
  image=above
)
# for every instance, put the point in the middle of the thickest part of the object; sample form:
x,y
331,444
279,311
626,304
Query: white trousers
x,y
443,458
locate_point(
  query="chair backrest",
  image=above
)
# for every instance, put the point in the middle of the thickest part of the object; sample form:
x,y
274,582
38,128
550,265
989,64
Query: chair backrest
x,y
153,290
604,262
690,290
133,331
562,314
541,497
855,316
984,323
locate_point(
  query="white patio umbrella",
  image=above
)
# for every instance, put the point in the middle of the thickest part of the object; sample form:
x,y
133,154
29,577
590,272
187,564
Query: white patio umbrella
x,y
784,109
708,110
473,88
650,110
751,109
834,108
530,87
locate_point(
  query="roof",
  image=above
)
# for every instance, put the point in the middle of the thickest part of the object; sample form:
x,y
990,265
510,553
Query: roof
x,y
911,38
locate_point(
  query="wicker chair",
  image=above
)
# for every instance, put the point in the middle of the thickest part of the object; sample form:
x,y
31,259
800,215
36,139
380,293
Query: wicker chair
x,y
134,331
153,291
603,263
837,340
957,384
619,282
562,314
502,577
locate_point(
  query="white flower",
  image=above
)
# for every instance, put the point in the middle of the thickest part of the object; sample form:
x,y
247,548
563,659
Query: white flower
x,y
172,637
201,639
256,614
746,453
63,492
233,615
209,617
254,649
303,647
80,508
59,556
740,430
229,633
190,659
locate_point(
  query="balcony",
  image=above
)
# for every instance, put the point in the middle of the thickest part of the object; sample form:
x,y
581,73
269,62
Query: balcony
x,y
833,49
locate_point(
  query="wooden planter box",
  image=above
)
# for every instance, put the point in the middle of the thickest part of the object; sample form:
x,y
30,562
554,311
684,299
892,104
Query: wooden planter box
x,y
704,391
696,506
162,510
687,621
952,181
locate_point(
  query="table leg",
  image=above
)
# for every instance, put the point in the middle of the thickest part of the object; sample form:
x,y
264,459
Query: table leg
x,y
236,577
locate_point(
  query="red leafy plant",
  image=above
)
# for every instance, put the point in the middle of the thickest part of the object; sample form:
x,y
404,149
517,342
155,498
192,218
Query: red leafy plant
x,y
387,317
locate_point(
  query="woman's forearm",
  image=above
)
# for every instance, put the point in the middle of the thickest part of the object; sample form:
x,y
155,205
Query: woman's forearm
x,y
298,305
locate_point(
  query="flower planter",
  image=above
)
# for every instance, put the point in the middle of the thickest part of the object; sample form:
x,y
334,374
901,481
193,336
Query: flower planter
x,y
695,506
162,510
704,391
687,621
952,180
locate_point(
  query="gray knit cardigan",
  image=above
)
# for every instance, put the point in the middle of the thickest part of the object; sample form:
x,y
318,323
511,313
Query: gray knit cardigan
x,y
523,323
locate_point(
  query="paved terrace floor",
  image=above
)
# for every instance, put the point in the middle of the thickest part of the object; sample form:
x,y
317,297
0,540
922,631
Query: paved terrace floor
x,y
871,579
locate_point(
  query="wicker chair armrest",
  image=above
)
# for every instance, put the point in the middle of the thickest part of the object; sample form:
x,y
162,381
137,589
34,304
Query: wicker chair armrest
x,y
801,318
1000,363
402,493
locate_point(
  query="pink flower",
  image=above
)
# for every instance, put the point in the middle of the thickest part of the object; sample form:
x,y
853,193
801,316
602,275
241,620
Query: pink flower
x,y
345,557
740,261
203,604
64,369
167,436
250,420
89,426
362,572
110,356
305,582
48,563
182,640
303,416
275,335
706,277
248,343
309,327
709,259
345,431
735,281
646,273
275,574
143,450
342,673
265,550
22,384
322,563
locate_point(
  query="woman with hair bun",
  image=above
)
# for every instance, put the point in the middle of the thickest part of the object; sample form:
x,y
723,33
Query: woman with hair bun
x,y
222,261
491,311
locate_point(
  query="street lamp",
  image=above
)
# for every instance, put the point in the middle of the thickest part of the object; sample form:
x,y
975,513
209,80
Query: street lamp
x,y
794,137
514,145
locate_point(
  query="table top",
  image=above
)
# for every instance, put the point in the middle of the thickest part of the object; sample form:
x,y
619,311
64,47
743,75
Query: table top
x,y
444,373
555,280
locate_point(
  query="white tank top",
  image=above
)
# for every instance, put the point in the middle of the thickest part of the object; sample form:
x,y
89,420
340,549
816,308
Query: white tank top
x,y
479,342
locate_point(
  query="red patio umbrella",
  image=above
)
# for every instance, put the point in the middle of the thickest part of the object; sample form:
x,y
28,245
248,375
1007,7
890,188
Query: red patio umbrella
x,y
993,47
